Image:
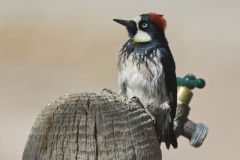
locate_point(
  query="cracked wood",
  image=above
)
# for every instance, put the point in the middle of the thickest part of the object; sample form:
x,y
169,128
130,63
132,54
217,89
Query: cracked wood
x,y
89,126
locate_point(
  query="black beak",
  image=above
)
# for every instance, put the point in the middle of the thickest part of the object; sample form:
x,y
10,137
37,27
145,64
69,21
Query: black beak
x,y
122,22
131,26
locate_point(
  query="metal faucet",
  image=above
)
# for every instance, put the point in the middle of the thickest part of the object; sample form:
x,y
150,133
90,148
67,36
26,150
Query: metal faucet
x,y
195,132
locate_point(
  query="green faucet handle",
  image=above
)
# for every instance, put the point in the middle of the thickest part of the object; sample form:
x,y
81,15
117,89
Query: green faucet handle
x,y
191,81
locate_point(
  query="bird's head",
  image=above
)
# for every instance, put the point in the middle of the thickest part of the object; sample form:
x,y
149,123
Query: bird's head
x,y
145,28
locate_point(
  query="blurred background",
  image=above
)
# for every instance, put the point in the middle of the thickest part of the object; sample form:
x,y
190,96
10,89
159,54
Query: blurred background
x,y
51,48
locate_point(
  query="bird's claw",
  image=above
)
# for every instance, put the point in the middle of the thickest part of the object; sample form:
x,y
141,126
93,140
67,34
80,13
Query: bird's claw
x,y
135,99
151,115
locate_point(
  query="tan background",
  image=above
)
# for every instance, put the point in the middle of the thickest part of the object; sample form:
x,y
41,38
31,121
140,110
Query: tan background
x,y
50,48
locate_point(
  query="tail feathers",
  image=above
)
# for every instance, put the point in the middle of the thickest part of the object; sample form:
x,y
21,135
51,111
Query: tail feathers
x,y
166,135
170,138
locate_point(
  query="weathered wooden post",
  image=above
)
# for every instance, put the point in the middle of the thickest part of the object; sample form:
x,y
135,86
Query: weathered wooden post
x,y
92,126
102,126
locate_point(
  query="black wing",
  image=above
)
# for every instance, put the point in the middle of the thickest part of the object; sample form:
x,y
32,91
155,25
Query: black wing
x,y
171,86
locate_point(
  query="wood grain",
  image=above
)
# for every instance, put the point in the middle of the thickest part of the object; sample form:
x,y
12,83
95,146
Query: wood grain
x,y
89,126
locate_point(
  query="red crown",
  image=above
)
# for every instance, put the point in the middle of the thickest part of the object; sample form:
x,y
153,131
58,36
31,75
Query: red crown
x,y
158,20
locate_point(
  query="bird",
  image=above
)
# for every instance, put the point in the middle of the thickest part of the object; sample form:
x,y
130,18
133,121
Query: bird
x,y
146,70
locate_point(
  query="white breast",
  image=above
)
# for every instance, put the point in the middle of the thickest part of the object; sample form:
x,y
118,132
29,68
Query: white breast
x,y
142,80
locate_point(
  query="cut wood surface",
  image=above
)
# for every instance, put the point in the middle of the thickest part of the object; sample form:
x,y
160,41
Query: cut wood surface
x,y
90,126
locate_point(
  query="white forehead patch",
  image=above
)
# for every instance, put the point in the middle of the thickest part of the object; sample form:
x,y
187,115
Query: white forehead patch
x,y
137,19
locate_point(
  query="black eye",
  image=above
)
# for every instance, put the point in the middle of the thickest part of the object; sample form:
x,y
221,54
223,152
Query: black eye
x,y
144,25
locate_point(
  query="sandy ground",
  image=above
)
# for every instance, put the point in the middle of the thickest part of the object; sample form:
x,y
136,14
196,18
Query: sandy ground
x,y
48,49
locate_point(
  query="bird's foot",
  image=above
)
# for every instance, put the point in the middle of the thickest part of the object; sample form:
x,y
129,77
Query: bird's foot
x,y
137,100
150,114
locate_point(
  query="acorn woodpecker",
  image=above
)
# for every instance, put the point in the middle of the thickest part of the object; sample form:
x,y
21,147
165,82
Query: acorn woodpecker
x,y
146,70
